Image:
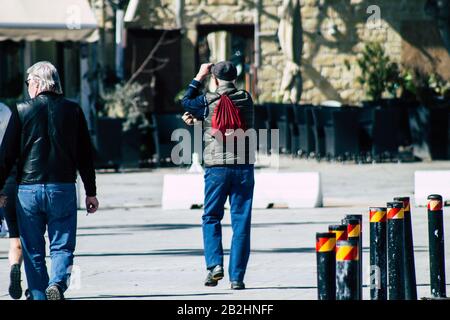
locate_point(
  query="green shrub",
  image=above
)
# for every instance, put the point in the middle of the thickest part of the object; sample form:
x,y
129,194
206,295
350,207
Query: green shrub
x,y
379,75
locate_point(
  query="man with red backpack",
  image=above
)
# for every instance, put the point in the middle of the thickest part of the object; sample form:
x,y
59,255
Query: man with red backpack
x,y
228,116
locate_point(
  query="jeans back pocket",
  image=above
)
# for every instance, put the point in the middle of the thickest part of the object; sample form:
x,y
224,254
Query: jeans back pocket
x,y
61,203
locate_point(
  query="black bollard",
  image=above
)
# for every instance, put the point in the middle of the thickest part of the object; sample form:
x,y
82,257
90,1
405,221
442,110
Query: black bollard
x,y
354,226
395,238
436,246
326,265
347,269
410,269
340,230
378,254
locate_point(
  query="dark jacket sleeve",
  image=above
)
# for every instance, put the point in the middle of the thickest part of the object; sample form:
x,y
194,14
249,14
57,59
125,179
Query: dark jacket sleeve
x,y
85,156
10,147
194,102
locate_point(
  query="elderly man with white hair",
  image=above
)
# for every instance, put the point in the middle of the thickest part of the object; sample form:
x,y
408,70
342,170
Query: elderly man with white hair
x,y
47,137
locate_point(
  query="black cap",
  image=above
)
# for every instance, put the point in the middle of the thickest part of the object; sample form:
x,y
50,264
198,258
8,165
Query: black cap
x,y
224,70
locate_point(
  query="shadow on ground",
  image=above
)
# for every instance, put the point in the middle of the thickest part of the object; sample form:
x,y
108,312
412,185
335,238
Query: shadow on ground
x,y
174,226
137,296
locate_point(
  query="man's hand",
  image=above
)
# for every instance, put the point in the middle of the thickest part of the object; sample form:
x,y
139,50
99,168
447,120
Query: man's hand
x,y
205,69
3,199
189,119
91,204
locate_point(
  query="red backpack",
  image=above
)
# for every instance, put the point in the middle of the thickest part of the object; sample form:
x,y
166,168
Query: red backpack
x,y
226,116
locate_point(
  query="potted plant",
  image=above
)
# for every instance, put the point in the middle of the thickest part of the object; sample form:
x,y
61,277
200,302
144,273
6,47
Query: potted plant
x,y
382,130
379,75
429,121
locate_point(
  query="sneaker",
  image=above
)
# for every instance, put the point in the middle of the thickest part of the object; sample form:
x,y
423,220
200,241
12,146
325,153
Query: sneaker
x,y
54,292
237,285
28,294
214,275
15,288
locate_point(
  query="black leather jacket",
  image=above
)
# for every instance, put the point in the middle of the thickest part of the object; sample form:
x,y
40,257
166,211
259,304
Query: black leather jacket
x,y
48,138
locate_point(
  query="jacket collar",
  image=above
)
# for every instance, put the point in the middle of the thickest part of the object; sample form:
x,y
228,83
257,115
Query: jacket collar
x,y
49,93
226,88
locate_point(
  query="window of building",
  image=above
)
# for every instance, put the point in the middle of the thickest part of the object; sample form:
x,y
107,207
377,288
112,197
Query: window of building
x,y
16,57
11,70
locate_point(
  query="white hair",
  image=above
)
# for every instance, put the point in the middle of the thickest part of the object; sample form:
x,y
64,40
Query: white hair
x,y
47,76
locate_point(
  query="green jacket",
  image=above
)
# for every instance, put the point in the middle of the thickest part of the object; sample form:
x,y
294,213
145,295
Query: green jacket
x,y
216,153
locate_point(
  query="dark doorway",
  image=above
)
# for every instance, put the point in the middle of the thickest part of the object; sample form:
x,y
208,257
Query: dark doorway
x,y
239,49
162,75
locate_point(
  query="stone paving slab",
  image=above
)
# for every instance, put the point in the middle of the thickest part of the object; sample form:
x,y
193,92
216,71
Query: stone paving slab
x,y
131,249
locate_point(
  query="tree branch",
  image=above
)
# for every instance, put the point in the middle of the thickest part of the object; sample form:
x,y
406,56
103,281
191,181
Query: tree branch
x,y
147,60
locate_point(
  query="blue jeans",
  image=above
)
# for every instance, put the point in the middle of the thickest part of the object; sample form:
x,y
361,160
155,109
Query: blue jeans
x,y
52,206
237,182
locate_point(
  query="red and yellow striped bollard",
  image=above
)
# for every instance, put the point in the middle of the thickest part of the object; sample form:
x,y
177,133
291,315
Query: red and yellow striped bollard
x,y
354,228
436,245
410,269
395,250
326,265
347,256
340,230
378,254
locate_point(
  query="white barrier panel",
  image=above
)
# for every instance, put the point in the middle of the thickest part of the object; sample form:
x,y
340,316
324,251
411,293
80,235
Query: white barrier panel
x,y
291,189
431,182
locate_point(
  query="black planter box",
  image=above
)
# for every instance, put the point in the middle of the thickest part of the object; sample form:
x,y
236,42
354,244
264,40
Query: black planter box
x,y
448,139
303,120
280,116
109,143
430,132
117,148
131,148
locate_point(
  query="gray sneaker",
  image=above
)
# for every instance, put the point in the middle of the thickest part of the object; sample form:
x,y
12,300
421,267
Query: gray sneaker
x,y
214,276
54,292
237,285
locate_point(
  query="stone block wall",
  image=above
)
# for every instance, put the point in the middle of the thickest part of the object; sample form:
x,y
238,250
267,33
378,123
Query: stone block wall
x,y
334,31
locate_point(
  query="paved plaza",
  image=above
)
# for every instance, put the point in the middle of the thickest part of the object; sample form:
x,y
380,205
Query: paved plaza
x,y
132,249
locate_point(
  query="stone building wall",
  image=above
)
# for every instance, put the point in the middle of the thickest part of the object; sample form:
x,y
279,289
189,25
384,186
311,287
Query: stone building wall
x,y
325,48
333,31
324,72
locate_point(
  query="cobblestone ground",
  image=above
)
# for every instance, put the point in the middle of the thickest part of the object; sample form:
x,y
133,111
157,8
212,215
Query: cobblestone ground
x,y
132,249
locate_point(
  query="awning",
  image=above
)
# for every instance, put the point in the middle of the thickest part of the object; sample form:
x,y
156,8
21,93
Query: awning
x,y
47,20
